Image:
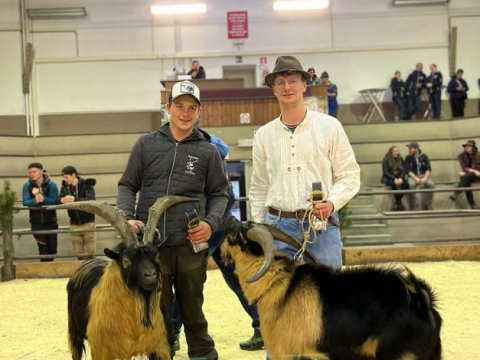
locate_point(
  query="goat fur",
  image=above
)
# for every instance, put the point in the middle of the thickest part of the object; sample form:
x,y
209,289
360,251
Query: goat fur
x,y
358,313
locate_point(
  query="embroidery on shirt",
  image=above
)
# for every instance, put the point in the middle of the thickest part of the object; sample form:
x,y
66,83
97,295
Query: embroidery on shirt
x,y
190,164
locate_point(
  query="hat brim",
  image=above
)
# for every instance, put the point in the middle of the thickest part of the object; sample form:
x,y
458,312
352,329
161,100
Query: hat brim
x,y
468,144
270,77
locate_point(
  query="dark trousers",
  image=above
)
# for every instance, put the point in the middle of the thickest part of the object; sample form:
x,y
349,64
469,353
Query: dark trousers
x,y
228,272
47,243
187,272
436,103
458,107
413,105
400,105
404,186
466,181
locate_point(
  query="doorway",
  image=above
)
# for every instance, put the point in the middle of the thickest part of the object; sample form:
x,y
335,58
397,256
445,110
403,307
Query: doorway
x,y
245,72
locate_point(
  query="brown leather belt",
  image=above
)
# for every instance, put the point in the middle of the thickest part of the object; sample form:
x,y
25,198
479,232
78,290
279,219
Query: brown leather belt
x,y
298,215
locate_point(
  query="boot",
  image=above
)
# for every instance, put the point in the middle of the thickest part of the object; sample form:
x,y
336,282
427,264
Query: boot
x,y
176,343
454,197
473,206
252,344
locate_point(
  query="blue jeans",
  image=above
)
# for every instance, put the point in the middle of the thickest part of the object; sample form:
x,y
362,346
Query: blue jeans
x,y
327,249
228,272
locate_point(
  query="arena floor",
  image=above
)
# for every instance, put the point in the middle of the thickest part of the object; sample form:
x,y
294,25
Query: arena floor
x,y
33,320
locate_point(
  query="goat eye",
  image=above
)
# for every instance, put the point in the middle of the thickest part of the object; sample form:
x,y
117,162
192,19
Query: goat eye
x,y
126,262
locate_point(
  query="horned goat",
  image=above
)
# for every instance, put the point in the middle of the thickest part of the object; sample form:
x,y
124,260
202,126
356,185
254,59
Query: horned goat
x,y
115,305
358,313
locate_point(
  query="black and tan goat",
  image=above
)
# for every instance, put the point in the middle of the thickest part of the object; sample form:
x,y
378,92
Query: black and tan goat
x,y
115,305
359,313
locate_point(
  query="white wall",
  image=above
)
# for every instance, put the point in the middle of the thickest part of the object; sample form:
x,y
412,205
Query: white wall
x,y
113,59
11,95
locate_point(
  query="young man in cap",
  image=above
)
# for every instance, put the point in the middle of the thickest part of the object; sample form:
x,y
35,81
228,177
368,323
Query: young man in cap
x,y
332,93
75,188
290,153
179,160
418,169
37,191
469,161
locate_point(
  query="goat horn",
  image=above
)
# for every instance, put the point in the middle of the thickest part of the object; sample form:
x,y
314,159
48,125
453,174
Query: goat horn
x,y
262,236
157,209
111,214
288,239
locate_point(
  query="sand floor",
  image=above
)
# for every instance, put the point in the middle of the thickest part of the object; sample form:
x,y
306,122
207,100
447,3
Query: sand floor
x,y
33,320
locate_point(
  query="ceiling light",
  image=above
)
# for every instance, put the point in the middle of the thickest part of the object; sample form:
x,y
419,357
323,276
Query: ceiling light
x,y
419,2
178,9
57,13
300,5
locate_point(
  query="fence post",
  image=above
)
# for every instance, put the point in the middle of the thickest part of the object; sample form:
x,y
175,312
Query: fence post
x,y
7,202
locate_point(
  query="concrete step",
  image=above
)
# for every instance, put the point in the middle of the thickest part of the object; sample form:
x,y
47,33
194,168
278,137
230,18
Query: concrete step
x,y
368,239
363,209
361,200
365,229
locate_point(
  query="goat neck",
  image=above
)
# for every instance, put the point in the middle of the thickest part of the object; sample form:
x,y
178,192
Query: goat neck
x,y
156,211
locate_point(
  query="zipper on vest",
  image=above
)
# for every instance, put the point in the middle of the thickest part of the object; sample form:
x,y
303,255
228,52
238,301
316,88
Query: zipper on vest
x,y
168,186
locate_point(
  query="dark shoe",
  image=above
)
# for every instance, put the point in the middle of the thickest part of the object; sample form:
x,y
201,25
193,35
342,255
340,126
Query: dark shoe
x,y
473,206
401,207
252,344
176,343
428,207
454,197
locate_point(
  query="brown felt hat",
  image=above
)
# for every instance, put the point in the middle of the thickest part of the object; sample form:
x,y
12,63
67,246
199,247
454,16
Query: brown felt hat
x,y
472,143
286,64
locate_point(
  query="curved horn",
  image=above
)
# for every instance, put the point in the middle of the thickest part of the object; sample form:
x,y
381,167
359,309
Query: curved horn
x,y
288,239
156,210
261,235
111,214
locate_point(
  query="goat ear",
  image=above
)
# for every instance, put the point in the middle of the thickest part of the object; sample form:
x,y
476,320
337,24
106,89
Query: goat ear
x,y
111,254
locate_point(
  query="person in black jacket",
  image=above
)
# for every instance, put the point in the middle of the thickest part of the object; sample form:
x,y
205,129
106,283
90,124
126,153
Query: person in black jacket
x,y
393,170
398,95
457,88
37,191
197,71
179,160
418,169
434,83
75,188
414,84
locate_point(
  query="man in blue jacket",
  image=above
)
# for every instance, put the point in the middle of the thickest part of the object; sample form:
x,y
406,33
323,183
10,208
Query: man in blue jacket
x,y
37,191
414,84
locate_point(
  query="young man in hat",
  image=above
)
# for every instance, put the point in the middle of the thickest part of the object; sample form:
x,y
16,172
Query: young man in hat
x,y
40,190
469,161
75,188
179,160
332,92
290,154
418,169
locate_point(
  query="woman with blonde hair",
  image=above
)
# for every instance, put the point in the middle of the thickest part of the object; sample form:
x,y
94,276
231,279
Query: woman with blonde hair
x,y
394,175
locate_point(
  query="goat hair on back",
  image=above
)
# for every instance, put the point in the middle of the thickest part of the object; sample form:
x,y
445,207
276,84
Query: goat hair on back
x,y
313,311
115,305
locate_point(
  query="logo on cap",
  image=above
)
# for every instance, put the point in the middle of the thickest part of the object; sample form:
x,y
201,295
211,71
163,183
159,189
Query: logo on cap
x,y
187,88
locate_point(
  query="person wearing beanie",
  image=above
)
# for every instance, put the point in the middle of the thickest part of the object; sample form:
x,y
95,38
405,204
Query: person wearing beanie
x,y
38,191
177,159
75,188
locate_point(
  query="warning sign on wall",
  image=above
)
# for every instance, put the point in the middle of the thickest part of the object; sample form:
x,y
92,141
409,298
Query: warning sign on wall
x,y
237,24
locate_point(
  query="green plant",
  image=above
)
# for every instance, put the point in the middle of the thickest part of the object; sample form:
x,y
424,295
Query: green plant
x,y
7,209
345,220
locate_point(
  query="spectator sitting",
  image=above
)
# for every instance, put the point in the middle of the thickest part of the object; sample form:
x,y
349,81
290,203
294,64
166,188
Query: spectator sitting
x,y
398,95
314,80
418,169
197,71
393,168
469,161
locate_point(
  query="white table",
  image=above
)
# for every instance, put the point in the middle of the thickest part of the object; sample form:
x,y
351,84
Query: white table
x,y
371,97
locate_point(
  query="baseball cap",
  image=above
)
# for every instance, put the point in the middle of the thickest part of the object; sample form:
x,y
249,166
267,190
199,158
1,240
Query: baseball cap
x,y
69,170
185,88
413,144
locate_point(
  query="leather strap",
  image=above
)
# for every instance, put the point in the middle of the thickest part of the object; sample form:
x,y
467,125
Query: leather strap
x,y
299,215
